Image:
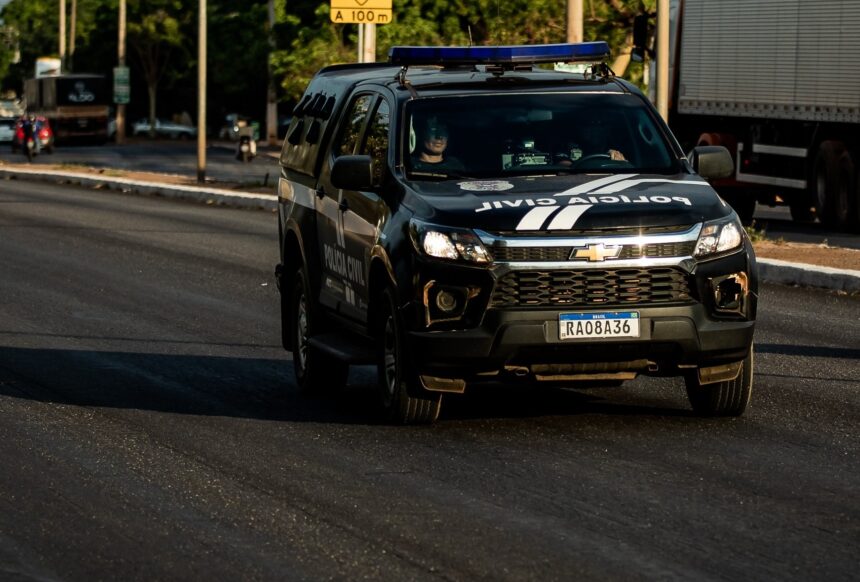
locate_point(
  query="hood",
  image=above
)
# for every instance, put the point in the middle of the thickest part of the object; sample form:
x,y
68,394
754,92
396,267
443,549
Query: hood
x,y
565,203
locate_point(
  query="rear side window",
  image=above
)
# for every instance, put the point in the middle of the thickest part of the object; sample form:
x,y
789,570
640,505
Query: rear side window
x,y
376,144
348,140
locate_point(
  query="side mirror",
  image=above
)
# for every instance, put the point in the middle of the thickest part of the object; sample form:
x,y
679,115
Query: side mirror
x,y
712,162
352,173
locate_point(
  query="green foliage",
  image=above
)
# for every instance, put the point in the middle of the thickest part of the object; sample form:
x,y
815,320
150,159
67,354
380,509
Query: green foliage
x,y
162,40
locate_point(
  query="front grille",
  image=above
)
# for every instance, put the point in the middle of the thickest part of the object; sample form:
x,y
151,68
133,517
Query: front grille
x,y
544,254
591,287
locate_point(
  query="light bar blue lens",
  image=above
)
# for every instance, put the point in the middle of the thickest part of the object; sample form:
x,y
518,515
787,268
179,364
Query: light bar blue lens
x,y
501,55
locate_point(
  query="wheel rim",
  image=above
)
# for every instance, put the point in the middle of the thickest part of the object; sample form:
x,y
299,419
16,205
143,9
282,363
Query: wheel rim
x,y
302,331
389,356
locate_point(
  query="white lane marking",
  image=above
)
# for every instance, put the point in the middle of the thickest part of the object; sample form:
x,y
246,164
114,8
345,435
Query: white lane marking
x,y
589,186
565,219
535,217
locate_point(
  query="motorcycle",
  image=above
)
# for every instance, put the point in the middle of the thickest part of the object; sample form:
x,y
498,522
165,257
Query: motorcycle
x,y
30,148
246,149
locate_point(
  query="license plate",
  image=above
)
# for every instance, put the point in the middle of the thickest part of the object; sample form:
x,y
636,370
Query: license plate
x,y
598,325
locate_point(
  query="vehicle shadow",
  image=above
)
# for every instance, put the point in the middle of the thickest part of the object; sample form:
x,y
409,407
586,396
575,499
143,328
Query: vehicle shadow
x,y
264,389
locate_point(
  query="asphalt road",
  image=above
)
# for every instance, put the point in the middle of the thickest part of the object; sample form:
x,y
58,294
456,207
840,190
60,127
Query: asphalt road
x,y
180,157
150,429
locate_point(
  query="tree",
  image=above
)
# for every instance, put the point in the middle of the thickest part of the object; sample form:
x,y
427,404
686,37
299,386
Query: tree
x,y
154,37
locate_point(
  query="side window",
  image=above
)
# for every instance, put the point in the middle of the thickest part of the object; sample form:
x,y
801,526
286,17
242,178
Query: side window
x,y
352,129
376,145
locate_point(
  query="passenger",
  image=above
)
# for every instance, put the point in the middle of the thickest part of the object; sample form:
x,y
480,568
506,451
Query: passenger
x,y
430,154
594,143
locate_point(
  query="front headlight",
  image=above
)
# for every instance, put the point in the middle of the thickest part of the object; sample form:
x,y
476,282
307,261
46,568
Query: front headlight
x,y
718,237
442,242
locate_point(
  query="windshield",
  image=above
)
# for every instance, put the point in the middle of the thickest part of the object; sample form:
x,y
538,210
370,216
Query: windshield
x,y
533,134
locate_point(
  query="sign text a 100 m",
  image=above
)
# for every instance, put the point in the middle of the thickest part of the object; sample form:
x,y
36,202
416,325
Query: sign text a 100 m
x,y
361,11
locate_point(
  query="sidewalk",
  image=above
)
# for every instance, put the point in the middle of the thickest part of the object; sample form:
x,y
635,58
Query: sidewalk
x,y
809,265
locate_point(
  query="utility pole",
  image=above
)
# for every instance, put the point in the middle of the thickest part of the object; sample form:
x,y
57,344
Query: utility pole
x,y
73,25
120,108
663,58
271,96
201,93
62,36
574,21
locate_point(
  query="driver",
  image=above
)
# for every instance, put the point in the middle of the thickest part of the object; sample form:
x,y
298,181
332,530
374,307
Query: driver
x,y
432,144
594,142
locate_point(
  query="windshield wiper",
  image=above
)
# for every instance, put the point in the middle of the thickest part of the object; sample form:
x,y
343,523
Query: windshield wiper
x,y
435,175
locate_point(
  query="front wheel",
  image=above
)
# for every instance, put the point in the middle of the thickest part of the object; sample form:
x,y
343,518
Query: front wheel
x,y
728,398
315,372
404,400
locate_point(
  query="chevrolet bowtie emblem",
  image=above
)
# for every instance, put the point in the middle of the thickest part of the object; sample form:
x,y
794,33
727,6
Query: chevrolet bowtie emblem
x,y
594,253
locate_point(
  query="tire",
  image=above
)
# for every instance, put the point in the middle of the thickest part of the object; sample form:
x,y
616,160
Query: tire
x,y
729,398
315,372
404,400
825,176
855,204
844,191
246,157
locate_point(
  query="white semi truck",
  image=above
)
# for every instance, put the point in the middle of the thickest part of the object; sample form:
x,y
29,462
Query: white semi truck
x,y
777,82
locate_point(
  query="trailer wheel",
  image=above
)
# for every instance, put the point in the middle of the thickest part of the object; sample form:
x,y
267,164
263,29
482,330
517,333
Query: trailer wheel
x,y
825,178
843,208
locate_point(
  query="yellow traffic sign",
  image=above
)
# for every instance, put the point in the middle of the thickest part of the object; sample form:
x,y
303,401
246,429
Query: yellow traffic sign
x,y
361,11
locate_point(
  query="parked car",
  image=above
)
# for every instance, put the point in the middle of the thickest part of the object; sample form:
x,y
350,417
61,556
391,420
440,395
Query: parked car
x,y
165,129
43,131
7,129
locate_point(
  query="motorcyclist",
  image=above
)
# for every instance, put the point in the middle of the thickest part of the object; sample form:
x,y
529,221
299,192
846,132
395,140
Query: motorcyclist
x,y
30,127
246,139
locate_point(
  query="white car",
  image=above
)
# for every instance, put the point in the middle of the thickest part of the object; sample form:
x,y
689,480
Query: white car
x,y
165,129
7,129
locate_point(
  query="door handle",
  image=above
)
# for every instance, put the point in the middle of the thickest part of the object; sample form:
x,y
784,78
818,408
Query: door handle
x,y
344,205
320,192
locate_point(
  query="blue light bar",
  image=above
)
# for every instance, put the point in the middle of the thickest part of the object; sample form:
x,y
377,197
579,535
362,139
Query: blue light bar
x,y
498,55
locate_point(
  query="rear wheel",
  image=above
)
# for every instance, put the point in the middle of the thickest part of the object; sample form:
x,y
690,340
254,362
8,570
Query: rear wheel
x,y
825,179
841,207
404,400
728,398
315,372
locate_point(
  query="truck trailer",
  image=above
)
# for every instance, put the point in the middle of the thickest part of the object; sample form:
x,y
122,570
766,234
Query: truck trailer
x,y
777,82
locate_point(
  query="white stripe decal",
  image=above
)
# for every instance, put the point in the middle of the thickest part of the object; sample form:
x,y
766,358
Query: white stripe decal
x,y
589,186
535,217
619,186
565,219
299,194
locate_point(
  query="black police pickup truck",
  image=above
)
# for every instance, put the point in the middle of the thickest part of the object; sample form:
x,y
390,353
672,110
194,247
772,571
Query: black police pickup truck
x,y
461,214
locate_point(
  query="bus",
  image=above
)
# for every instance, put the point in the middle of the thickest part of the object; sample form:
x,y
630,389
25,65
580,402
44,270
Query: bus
x,y
76,106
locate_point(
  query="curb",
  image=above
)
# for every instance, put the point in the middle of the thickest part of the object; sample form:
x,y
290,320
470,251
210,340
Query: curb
x,y
787,273
236,199
770,270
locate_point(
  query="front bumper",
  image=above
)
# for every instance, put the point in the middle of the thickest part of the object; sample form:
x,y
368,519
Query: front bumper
x,y
669,337
672,336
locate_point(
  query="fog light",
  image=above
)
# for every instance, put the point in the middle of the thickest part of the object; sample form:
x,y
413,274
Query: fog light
x,y
730,293
446,301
